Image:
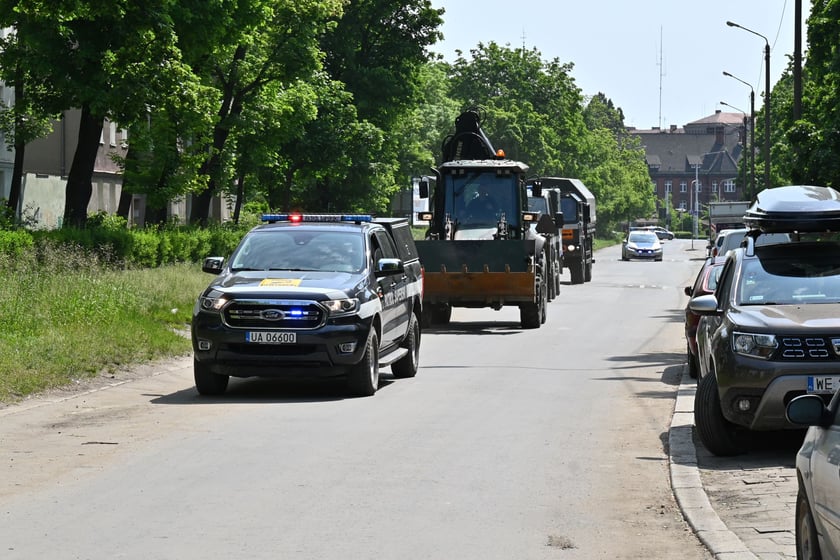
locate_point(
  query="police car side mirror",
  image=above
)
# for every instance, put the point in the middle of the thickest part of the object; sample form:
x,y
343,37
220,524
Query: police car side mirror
x,y
213,265
388,267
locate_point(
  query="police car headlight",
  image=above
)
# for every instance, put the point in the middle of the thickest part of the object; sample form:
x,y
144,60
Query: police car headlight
x,y
754,345
342,307
212,302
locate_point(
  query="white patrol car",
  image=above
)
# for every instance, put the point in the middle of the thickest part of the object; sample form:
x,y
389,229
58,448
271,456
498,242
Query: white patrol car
x,y
311,295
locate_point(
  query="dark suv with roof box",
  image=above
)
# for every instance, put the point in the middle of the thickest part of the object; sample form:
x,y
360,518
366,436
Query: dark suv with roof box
x,y
771,330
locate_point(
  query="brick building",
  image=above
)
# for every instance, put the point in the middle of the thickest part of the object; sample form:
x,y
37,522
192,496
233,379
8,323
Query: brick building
x,y
705,153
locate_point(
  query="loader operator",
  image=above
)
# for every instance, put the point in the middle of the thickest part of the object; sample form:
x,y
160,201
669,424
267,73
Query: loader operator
x,y
483,207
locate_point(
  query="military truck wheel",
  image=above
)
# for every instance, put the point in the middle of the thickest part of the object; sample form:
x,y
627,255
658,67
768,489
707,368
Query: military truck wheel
x,y
407,366
577,272
207,382
719,435
363,378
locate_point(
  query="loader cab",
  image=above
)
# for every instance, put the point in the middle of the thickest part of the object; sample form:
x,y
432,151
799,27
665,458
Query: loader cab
x,y
482,199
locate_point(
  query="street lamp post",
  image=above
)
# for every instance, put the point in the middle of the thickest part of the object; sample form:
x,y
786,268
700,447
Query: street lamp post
x,y
751,189
746,187
766,100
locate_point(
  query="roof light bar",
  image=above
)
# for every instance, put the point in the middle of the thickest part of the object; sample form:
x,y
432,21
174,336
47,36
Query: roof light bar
x,y
297,218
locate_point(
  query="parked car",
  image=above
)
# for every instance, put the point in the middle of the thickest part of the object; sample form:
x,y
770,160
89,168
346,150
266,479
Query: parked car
x,y
311,295
641,244
729,239
771,330
704,283
817,526
662,233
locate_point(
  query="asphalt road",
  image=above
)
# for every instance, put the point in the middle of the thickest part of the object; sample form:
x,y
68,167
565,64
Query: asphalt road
x,y
509,444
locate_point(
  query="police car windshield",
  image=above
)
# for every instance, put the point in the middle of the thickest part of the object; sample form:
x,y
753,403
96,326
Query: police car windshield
x,y
301,250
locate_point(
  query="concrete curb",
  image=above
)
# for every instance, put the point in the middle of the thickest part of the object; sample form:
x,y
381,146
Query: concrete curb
x,y
688,487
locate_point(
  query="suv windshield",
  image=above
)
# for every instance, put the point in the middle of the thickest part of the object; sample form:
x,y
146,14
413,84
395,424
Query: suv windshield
x,y
292,249
791,274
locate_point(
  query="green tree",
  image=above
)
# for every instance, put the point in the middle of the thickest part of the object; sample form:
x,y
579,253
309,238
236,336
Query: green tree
x,y
241,47
106,59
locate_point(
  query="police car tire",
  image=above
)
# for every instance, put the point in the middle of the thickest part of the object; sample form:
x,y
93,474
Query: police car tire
x,y
363,378
207,382
407,365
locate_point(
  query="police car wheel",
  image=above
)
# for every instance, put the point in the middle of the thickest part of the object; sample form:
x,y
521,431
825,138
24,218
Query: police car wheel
x,y
407,365
207,382
363,378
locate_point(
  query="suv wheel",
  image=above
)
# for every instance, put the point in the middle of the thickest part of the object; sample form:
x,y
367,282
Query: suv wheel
x,y
807,543
407,365
719,435
363,378
207,382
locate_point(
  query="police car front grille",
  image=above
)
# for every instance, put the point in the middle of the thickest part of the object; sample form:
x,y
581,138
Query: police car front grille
x,y
808,348
274,314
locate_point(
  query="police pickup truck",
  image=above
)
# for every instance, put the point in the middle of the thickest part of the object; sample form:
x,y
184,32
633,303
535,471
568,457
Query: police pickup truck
x,y
307,295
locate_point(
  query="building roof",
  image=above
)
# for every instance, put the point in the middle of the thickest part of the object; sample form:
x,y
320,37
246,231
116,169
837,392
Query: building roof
x,y
713,143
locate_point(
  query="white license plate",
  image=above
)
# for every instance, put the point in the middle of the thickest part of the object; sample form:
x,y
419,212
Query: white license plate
x,y
270,337
824,384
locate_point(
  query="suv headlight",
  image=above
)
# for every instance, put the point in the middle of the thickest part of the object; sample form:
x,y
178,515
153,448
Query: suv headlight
x,y
213,301
754,345
341,307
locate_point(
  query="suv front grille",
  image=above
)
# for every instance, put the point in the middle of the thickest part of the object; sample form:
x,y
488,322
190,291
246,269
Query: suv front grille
x,y
274,314
807,348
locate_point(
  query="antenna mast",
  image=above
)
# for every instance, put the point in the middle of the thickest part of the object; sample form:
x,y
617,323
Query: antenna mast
x,y
661,73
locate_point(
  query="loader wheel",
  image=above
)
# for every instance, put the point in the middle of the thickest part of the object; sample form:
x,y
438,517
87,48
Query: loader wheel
x,y
577,272
532,315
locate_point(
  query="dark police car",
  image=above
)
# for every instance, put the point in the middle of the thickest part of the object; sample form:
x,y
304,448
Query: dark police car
x,y
311,295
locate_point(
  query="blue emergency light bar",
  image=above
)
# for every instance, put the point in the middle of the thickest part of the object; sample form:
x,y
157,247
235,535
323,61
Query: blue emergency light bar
x,y
295,218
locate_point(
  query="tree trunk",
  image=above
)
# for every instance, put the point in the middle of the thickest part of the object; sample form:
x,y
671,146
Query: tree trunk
x,y
20,149
126,194
79,186
240,196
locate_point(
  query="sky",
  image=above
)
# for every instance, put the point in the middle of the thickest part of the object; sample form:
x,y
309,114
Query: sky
x,y
660,61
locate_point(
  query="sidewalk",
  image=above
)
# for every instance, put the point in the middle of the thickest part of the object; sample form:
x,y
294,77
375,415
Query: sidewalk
x,y
741,508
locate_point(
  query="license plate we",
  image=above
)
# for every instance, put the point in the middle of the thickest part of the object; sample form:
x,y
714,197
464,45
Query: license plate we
x,y
270,337
823,384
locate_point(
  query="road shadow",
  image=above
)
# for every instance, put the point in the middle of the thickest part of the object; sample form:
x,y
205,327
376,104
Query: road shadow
x,y
762,450
499,328
255,390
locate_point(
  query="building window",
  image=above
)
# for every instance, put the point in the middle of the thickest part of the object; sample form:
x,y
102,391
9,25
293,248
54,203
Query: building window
x,y
699,186
112,134
683,205
653,184
668,187
683,186
729,185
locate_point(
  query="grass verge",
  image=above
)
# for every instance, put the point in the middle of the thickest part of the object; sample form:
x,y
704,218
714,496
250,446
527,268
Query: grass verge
x,y
68,317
